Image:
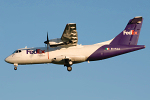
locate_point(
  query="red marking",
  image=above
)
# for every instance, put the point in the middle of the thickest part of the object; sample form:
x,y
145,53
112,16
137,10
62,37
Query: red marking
x,y
132,32
43,51
48,54
38,51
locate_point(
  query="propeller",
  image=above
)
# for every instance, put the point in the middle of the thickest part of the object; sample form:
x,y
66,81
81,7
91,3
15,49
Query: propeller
x,y
47,42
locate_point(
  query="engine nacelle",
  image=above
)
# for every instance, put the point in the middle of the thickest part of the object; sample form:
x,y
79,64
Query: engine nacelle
x,y
73,58
60,59
55,42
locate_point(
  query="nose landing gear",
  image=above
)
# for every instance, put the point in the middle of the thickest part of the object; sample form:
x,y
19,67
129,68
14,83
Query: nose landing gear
x,y
15,66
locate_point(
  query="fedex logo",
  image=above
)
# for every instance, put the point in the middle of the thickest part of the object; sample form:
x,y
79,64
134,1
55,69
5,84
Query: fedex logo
x,y
37,51
131,32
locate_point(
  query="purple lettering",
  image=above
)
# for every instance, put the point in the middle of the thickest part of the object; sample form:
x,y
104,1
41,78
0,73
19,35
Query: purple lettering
x,y
28,51
37,51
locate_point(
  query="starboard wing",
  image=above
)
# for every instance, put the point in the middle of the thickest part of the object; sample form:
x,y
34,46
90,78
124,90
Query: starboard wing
x,y
70,36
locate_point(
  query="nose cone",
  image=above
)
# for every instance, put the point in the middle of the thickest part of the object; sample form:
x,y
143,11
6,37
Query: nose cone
x,y
8,59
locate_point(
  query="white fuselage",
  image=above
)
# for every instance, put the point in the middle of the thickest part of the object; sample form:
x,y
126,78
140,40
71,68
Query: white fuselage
x,y
38,55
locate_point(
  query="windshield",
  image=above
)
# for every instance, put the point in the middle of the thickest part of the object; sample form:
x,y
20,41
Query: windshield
x,y
16,51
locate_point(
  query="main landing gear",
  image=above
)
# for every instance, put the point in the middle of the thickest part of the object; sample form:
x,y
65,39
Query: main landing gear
x,y
68,64
69,69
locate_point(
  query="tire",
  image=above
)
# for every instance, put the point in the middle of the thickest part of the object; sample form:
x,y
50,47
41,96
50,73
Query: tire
x,y
69,69
15,68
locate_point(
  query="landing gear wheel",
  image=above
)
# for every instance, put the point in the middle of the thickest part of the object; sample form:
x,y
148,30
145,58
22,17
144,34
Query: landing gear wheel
x,y
69,68
15,68
70,63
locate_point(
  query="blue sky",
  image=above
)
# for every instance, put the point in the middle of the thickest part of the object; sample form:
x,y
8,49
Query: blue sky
x,y
25,23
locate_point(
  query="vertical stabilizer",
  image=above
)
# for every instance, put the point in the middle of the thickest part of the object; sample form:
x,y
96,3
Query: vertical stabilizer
x,y
130,35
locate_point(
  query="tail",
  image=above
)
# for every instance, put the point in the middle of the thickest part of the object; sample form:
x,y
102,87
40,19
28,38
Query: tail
x,y
130,35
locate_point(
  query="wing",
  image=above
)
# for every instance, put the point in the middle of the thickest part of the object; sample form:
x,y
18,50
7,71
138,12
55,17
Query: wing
x,y
70,36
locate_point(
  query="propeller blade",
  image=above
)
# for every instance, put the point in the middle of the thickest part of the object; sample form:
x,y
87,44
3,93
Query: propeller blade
x,y
47,41
47,37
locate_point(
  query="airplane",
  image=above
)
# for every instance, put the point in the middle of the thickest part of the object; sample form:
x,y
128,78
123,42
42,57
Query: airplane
x,y
65,50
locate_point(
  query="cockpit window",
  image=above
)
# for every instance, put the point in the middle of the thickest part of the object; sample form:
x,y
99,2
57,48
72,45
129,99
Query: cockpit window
x,y
14,52
17,51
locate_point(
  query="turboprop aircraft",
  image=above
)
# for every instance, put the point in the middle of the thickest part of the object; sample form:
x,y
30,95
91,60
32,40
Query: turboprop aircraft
x,y
66,51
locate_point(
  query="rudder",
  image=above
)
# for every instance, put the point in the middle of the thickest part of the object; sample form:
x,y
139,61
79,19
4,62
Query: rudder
x,y
130,35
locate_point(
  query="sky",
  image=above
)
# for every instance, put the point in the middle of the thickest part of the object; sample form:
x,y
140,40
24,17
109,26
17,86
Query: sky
x,y
26,22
